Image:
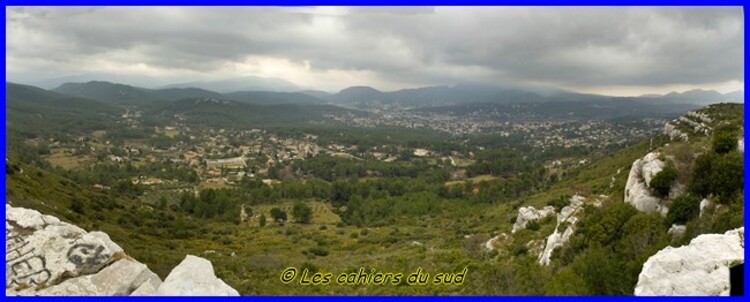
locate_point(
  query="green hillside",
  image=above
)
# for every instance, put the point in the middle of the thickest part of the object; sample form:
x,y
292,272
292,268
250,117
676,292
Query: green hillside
x,y
400,221
31,110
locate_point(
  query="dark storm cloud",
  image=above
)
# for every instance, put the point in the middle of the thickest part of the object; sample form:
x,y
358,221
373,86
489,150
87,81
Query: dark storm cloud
x,y
425,45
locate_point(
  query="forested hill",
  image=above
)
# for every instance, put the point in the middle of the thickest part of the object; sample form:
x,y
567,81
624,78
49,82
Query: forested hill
x,y
32,110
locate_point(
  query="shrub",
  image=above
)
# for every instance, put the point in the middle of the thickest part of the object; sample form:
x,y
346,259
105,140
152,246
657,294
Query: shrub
x,y
318,251
662,181
519,250
684,208
727,176
725,140
701,179
77,206
302,213
532,225
311,268
730,218
558,203
278,214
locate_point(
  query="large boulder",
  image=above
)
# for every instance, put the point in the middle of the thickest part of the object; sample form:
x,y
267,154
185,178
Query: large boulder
x,y
194,276
527,214
637,192
123,277
45,256
42,251
698,269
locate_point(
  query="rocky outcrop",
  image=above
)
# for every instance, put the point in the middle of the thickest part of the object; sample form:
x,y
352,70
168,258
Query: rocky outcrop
x,y
697,269
698,127
194,276
557,239
122,277
526,214
490,244
674,133
42,251
45,256
637,192
702,117
741,145
565,227
677,230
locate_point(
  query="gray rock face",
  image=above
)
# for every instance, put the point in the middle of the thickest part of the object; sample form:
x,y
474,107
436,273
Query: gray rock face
x,y
41,250
674,133
677,230
526,214
490,244
568,217
637,191
194,276
120,278
700,268
45,256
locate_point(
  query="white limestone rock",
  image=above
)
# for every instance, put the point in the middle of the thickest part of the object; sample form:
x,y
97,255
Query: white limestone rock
x,y
650,166
120,278
46,256
704,204
194,276
28,219
41,250
700,268
557,239
526,214
567,216
677,230
637,191
674,133
741,145
146,289
490,244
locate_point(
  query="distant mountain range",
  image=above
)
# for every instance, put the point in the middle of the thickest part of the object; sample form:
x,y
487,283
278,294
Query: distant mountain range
x,y
361,97
31,109
125,94
95,104
705,97
249,83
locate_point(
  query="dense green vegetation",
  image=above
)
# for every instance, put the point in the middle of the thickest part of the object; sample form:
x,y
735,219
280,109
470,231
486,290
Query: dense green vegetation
x,y
662,181
33,112
338,213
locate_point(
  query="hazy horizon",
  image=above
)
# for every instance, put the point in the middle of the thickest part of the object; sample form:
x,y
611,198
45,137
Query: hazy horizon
x,y
622,51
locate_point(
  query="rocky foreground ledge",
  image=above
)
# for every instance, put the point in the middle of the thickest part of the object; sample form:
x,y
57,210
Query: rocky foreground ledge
x,y
45,256
700,268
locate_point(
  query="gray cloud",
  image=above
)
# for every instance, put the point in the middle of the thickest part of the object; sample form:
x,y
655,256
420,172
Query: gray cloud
x,y
401,46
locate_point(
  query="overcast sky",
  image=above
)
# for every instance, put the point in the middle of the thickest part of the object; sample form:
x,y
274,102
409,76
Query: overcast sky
x,y
612,50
